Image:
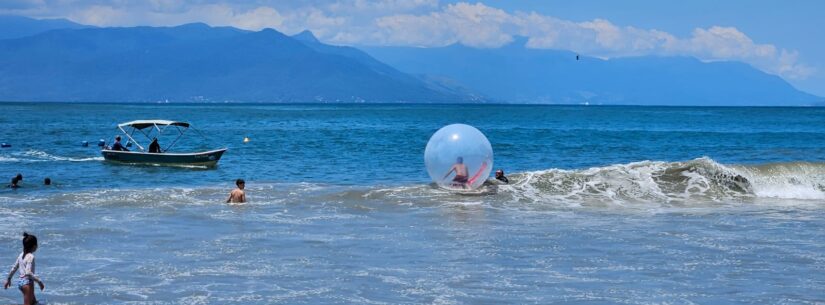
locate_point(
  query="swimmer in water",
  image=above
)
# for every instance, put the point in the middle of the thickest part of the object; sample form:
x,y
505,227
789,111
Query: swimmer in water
x,y
25,263
15,181
237,195
460,172
500,177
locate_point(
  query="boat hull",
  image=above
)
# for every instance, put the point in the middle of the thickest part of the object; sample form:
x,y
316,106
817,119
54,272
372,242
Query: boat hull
x,y
205,159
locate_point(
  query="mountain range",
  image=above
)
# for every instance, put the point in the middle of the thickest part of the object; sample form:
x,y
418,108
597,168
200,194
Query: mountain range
x,y
57,60
18,26
519,74
196,62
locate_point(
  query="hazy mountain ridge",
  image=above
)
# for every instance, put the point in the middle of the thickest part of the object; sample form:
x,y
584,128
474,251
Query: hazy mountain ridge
x,y
195,62
18,26
57,60
519,74
438,84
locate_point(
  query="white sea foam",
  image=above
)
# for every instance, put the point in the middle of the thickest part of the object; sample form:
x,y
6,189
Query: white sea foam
x,y
8,159
799,180
41,156
699,182
672,182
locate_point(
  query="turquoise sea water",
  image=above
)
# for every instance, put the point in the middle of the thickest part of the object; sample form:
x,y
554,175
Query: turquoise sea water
x,y
633,205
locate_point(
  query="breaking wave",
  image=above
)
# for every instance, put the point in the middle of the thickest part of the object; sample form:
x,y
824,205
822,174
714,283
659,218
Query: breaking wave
x,y
702,180
699,182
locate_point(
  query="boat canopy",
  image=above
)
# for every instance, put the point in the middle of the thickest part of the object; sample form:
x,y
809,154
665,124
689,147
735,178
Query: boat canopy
x,y
141,124
146,127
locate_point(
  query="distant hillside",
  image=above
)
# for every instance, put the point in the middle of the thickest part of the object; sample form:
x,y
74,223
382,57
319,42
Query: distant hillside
x,y
19,26
309,39
58,60
196,62
519,74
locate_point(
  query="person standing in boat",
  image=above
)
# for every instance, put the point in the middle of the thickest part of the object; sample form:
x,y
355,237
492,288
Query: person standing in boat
x,y
117,146
154,147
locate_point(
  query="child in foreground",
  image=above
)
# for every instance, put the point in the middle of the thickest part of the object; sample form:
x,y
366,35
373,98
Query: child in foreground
x,y
25,263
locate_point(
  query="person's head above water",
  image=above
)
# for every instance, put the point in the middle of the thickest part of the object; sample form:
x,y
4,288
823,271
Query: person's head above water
x,y
459,160
499,173
29,243
240,183
47,181
19,177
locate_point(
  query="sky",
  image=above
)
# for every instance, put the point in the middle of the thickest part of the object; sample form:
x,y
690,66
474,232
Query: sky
x,y
779,37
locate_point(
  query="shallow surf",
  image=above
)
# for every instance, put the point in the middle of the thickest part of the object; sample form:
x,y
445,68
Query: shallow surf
x,y
633,205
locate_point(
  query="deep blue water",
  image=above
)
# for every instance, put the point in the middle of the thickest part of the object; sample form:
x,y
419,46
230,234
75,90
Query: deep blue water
x,y
371,144
630,205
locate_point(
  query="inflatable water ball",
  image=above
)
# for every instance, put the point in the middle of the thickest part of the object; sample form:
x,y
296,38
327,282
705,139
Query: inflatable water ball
x,y
458,157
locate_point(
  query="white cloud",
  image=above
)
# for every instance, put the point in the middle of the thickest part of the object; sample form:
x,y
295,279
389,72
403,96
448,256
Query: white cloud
x,y
100,15
479,25
380,6
171,6
470,24
215,14
258,18
598,37
426,23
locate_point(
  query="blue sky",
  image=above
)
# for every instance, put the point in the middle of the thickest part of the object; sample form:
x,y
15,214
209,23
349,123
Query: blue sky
x,y
781,38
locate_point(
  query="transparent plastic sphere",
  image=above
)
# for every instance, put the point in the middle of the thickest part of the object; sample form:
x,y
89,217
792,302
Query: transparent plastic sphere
x,y
458,157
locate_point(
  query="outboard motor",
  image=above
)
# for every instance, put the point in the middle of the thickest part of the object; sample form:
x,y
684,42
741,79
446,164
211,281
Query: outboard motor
x,y
101,143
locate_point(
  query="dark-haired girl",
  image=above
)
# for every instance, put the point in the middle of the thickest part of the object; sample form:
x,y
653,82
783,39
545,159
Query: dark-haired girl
x,y
25,263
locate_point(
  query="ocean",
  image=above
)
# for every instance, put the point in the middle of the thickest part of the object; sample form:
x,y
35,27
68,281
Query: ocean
x,y
607,205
